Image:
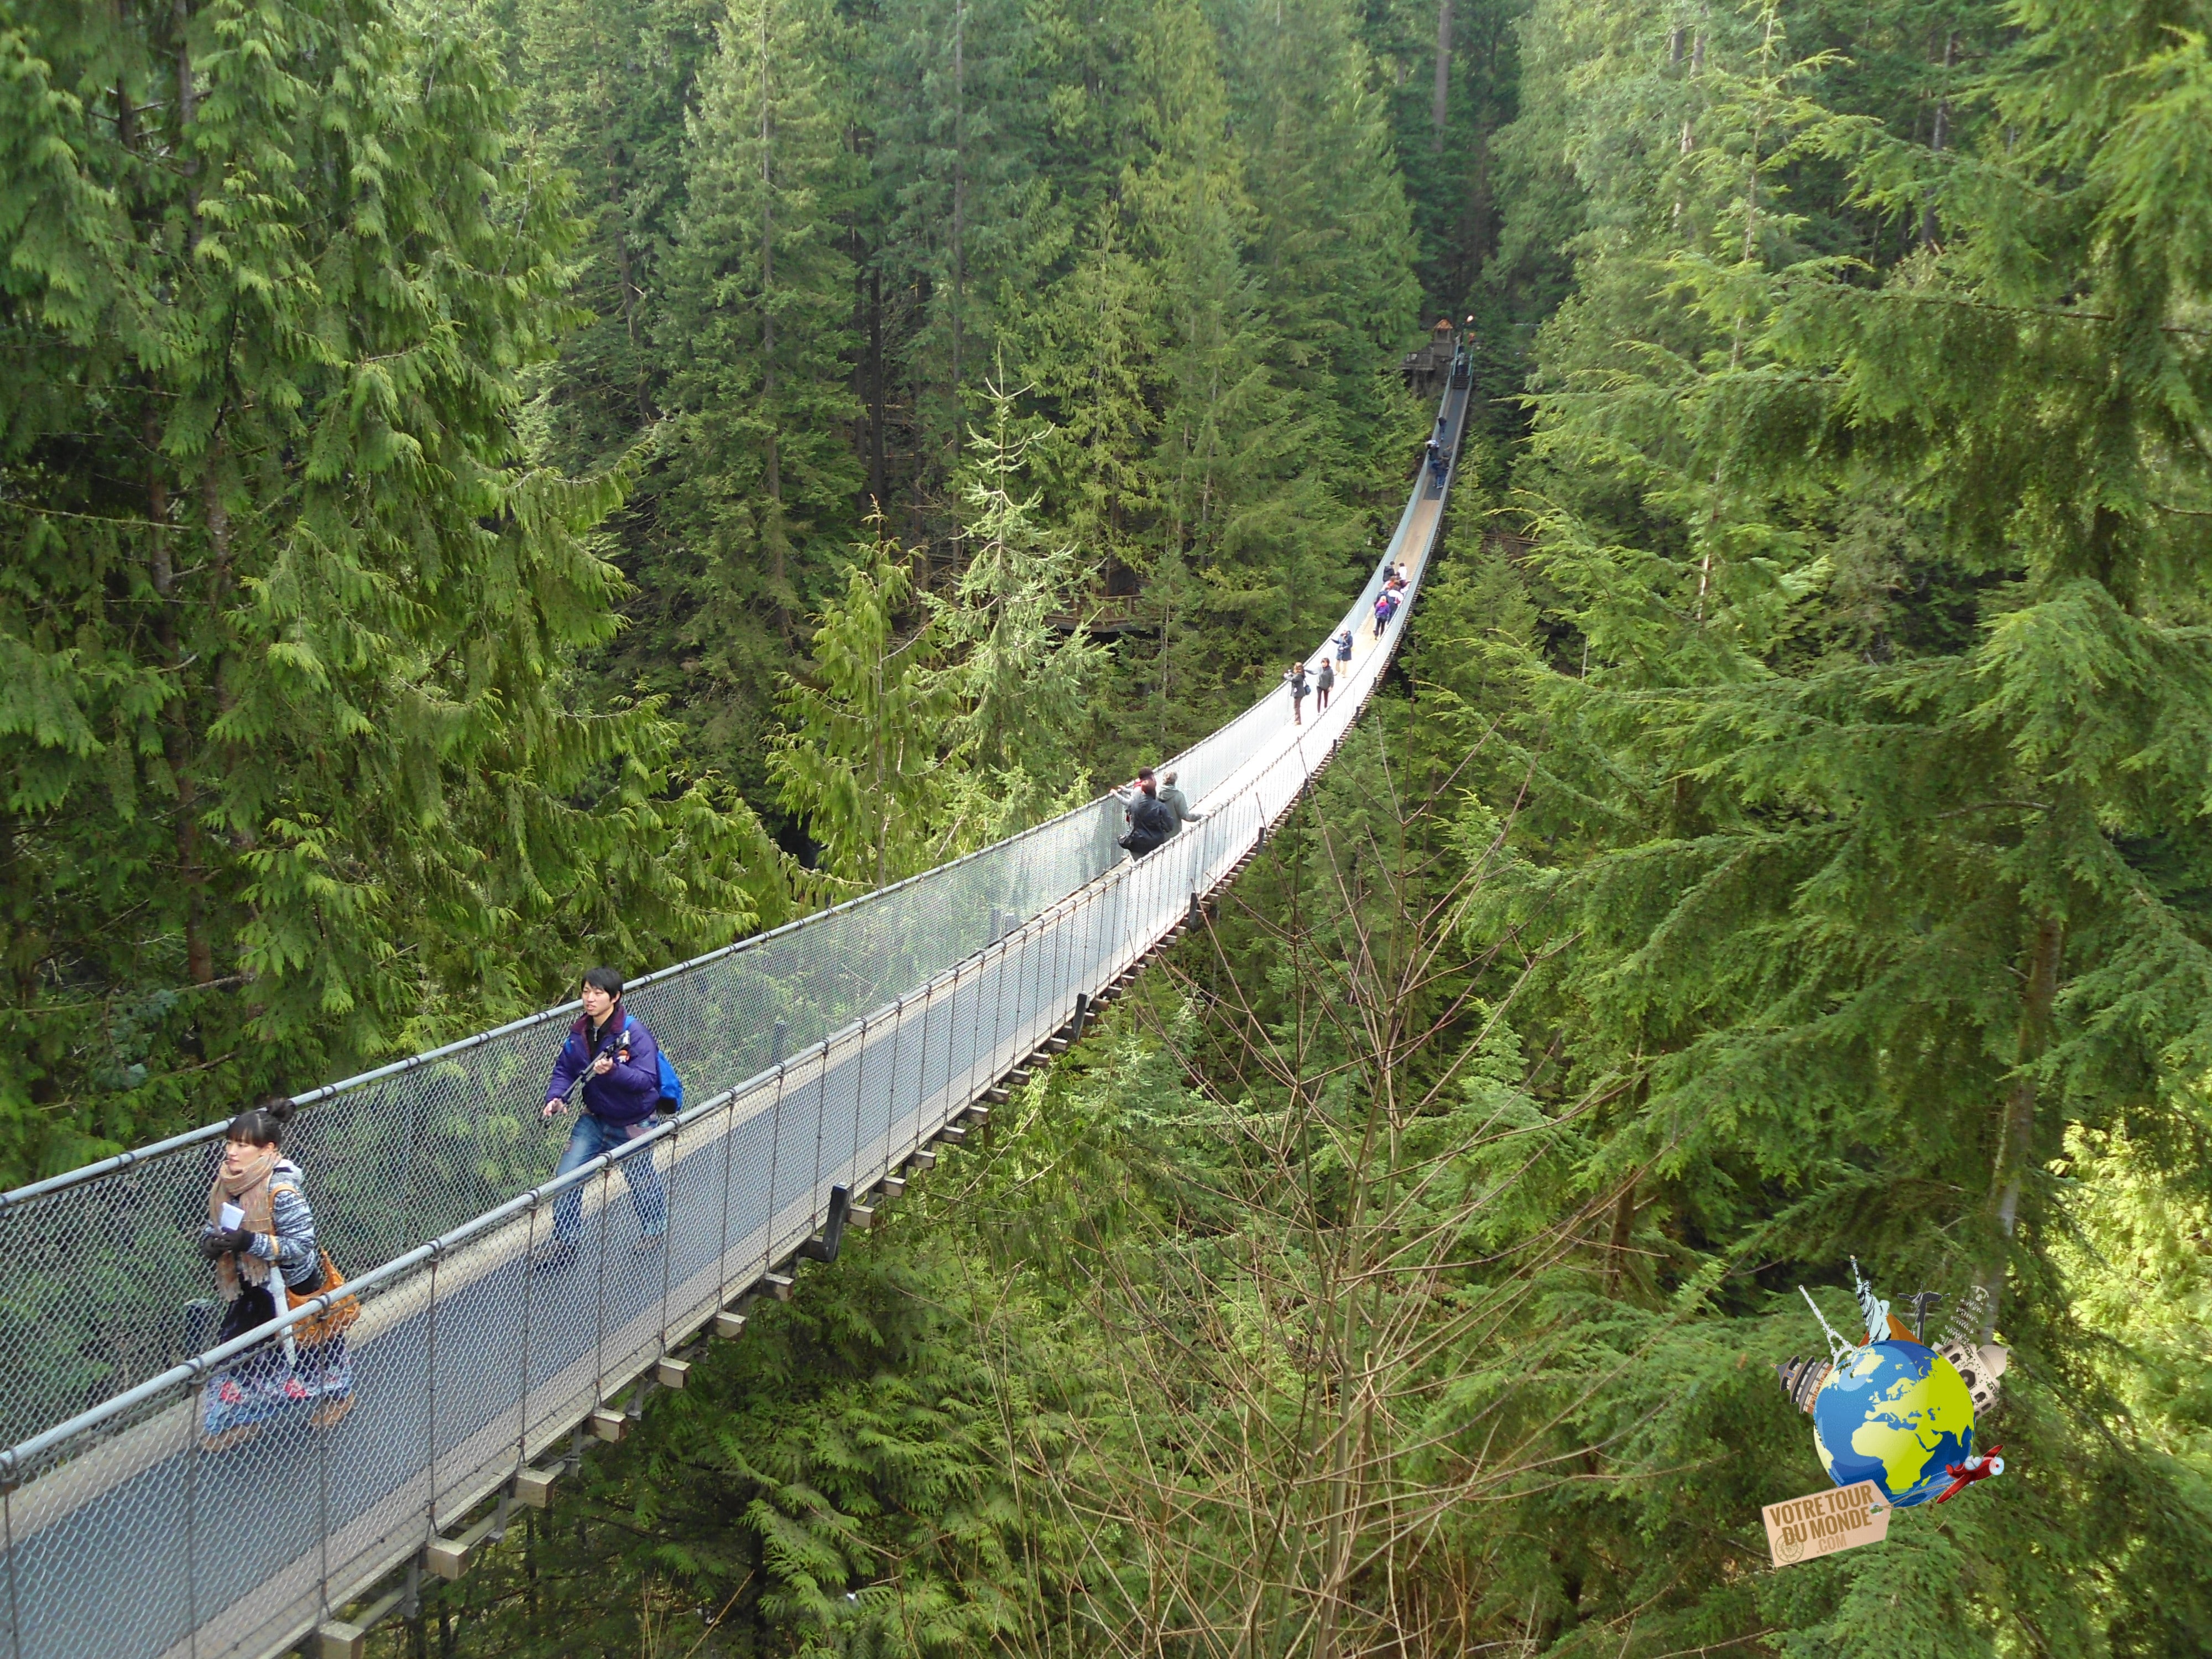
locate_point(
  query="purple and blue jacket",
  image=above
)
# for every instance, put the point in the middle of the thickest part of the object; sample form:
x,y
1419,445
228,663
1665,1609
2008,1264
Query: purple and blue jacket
x,y
629,1090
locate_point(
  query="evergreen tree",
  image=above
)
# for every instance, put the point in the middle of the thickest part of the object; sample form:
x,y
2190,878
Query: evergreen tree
x,y
283,604
865,764
756,330
1018,679
1865,773
969,224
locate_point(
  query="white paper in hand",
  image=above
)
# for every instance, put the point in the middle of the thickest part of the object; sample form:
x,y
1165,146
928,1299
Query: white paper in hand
x,y
230,1218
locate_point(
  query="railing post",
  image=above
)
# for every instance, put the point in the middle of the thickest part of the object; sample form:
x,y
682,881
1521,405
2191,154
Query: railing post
x,y
430,1379
195,1415
529,1299
890,1094
774,1153
599,1297
675,1144
722,1250
779,1033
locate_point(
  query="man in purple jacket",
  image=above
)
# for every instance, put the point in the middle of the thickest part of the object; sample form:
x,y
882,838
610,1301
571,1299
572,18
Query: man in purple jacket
x,y
620,1065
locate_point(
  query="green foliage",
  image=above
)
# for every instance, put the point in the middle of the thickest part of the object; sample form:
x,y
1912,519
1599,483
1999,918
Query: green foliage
x,y
288,621
1019,682
863,761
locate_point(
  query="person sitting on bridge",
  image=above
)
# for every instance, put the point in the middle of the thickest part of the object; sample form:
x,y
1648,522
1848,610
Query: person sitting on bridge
x,y
619,1063
260,1233
1151,823
1177,802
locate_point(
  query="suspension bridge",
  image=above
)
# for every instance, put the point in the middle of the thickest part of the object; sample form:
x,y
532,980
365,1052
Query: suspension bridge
x,y
830,1062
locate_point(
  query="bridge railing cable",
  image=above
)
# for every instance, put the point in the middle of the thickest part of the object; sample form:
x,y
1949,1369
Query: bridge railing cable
x,y
825,1056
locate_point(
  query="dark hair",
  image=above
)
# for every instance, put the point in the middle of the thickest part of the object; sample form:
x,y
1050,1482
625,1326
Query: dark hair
x,y
604,979
263,1124
1144,772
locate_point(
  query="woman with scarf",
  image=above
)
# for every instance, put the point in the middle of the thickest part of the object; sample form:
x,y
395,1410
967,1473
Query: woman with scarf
x,y
260,1234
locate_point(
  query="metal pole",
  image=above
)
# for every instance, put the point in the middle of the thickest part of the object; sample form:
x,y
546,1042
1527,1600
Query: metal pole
x,y
775,1152
194,1451
822,1124
529,1299
7,1538
323,1501
722,1251
891,1089
667,1219
436,1261
600,1298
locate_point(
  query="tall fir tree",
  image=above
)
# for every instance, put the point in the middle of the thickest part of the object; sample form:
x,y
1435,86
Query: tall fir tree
x,y
756,329
284,602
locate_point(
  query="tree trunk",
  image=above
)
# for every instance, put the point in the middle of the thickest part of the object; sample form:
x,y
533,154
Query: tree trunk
x,y
2016,1127
959,208
1440,109
1623,1231
876,388
1937,140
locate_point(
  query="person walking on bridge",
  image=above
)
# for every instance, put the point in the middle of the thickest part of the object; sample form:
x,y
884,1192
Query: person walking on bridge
x,y
619,1063
1177,802
260,1234
1151,823
1295,676
1324,682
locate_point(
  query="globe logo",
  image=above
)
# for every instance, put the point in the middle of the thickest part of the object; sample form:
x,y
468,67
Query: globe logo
x,y
1896,1413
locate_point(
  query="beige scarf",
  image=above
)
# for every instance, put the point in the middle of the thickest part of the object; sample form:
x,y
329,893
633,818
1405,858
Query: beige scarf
x,y
249,1190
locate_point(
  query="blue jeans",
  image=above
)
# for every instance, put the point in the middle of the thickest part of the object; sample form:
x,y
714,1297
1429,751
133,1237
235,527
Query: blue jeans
x,y
592,1136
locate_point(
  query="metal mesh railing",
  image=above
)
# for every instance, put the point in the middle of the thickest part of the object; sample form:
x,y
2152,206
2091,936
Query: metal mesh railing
x,y
822,1055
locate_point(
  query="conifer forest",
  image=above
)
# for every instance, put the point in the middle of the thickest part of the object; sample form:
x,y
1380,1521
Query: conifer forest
x,y
491,487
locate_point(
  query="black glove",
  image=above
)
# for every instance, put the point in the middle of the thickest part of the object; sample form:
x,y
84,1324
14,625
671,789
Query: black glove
x,y
237,1241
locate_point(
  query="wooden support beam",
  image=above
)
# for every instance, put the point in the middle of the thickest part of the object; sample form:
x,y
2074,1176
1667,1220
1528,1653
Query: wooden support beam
x,y
609,1424
449,1557
924,1159
998,1097
894,1187
535,1487
863,1217
672,1372
777,1285
729,1324
953,1133
347,1638
978,1116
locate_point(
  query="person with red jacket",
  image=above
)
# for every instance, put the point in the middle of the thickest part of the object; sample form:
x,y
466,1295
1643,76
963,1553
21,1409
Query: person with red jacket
x,y
619,1064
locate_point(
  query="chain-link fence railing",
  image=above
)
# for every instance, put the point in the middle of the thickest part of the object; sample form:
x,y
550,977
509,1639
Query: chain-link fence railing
x,y
822,1056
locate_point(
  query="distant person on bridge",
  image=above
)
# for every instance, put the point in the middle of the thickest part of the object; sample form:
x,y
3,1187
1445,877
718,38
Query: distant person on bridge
x,y
1344,651
261,1234
1177,802
1296,674
1324,682
1151,822
619,1063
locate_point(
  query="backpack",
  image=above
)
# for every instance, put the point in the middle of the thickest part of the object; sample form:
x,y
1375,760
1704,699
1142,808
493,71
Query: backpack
x,y
672,1086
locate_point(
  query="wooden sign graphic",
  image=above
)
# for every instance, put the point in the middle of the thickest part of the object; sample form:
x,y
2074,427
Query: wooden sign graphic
x,y
1826,1523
